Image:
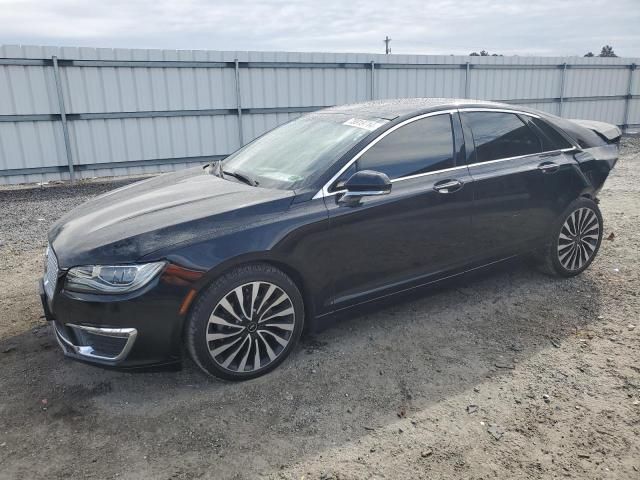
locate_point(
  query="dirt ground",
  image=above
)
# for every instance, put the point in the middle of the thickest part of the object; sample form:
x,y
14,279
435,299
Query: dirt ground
x,y
508,374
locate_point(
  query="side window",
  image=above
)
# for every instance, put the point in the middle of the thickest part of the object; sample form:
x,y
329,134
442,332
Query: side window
x,y
501,135
419,147
554,140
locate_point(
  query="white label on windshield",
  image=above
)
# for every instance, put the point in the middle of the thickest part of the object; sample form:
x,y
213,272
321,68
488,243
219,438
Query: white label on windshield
x,y
370,125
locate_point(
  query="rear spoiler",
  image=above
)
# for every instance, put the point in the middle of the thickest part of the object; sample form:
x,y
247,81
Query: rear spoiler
x,y
608,132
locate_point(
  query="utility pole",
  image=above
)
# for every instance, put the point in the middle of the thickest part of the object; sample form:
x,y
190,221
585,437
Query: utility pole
x,y
386,41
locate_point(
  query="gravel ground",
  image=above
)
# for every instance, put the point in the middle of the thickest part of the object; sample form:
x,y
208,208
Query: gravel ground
x,y
507,374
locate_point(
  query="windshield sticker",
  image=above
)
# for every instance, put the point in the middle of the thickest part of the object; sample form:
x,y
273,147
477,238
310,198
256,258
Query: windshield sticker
x,y
370,125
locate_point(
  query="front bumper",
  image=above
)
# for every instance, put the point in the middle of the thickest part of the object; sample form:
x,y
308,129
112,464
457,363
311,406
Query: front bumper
x,y
141,330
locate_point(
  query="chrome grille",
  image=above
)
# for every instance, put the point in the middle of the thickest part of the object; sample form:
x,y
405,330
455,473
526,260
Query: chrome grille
x,y
50,273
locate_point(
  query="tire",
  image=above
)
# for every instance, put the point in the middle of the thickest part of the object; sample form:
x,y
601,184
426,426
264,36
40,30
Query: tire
x,y
238,341
569,252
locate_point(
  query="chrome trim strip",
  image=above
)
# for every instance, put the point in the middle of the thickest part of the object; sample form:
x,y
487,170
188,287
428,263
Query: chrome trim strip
x,y
410,177
498,110
62,340
520,156
324,191
449,184
51,273
364,193
86,351
418,175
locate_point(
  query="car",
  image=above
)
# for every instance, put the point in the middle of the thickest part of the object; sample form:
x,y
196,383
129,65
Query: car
x,y
231,261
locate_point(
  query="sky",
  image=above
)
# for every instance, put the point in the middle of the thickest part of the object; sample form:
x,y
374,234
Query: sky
x,y
509,27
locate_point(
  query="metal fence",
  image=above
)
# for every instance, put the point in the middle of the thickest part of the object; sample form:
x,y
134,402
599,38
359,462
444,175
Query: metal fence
x,y
84,112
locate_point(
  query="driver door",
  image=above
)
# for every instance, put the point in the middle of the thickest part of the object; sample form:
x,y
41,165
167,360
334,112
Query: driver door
x,y
418,231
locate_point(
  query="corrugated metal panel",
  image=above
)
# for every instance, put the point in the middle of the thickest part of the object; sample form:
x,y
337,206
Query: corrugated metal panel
x,y
611,111
446,81
549,107
635,81
123,89
596,82
160,140
295,87
119,140
634,113
524,83
28,144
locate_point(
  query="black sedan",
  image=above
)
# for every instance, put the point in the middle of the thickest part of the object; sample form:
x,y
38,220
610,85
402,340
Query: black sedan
x,y
329,211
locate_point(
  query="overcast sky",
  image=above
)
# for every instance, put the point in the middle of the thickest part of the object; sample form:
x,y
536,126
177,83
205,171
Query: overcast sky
x,y
510,27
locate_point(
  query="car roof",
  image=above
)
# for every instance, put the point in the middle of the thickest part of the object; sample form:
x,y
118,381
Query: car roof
x,y
391,109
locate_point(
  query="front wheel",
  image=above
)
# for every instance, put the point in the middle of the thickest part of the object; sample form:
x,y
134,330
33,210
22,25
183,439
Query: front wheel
x,y
246,323
575,240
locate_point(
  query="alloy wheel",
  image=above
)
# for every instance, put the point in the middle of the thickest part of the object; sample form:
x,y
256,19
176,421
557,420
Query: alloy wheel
x,y
250,327
578,238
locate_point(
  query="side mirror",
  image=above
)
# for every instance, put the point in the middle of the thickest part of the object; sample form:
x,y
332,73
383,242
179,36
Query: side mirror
x,y
366,183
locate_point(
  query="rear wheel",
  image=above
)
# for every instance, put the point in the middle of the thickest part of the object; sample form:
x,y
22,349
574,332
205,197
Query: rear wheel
x,y
246,323
575,240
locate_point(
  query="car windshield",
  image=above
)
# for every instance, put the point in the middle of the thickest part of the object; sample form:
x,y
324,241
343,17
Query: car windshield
x,y
295,153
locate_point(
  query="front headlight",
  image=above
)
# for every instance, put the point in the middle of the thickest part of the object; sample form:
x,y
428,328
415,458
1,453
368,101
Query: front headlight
x,y
111,278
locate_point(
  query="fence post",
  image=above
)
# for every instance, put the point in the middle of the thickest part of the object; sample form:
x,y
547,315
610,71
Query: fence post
x,y
239,103
467,80
627,102
63,118
373,69
562,79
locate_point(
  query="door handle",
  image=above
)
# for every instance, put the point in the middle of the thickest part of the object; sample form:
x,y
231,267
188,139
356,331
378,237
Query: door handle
x,y
448,186
548,167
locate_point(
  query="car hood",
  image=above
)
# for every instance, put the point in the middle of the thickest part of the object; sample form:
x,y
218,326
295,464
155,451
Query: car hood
x,y
133,221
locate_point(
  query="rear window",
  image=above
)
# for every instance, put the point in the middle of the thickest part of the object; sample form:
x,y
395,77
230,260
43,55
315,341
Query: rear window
x,y
552,139
500,135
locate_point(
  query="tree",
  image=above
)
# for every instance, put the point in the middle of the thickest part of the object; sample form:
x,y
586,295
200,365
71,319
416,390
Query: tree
x,y
607,51
484,53
589,54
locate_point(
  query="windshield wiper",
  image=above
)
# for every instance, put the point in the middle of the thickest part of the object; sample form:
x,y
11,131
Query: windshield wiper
x,y
213,169
241,177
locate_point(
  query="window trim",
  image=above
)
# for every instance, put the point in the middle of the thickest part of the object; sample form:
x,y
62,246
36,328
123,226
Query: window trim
x,y
417,175
562,134
521,156
324,191
517,113
567,137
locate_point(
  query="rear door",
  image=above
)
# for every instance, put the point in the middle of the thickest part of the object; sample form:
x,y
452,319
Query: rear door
x,y
558,182
392,242
502,164
518,180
